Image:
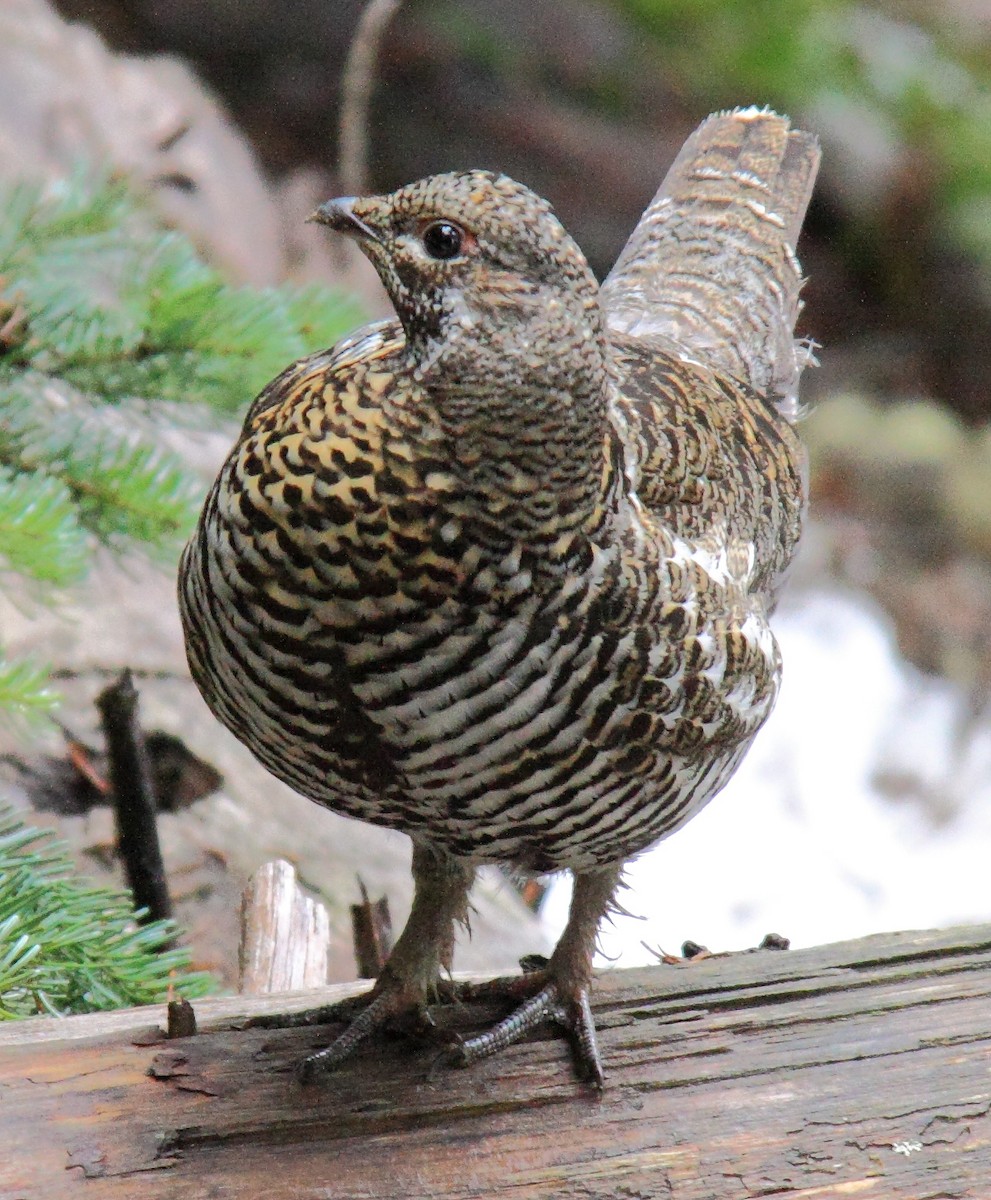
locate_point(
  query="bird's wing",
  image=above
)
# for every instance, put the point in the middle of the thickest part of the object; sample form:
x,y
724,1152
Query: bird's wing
x,y
710,270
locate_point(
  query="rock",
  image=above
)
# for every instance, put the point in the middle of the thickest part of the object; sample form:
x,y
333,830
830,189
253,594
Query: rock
x,y
66,100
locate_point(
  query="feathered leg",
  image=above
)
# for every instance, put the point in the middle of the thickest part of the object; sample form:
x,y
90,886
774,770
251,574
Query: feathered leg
x,y
561,990
409,979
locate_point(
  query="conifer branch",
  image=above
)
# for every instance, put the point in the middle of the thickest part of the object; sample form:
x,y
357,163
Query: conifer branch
x,y
69,946
110,327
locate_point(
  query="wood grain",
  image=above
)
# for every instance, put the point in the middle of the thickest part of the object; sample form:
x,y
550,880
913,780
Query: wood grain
x,y
285,934
858,1069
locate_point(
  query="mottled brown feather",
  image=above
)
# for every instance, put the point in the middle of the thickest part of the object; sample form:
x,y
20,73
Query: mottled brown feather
x,y
498,574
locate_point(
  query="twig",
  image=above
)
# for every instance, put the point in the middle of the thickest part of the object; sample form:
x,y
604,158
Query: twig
x,y
134,798
371,927
356,90
181,1019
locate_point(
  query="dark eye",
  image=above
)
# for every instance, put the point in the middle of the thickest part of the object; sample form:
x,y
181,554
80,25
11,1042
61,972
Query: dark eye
x,y
443,239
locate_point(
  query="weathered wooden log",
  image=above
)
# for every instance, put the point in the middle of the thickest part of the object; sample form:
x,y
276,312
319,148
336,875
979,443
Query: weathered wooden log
x,y
860,1069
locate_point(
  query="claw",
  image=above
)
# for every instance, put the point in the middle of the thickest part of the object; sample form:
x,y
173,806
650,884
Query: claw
x,y
554,989
390,1008
368,1020
574,1013
582,1026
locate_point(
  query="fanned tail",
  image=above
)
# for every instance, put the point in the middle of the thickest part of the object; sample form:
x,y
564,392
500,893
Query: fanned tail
x,y
711,266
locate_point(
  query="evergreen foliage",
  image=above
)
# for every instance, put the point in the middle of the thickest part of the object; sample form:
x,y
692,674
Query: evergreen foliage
x,y
69,946
24,688
111,329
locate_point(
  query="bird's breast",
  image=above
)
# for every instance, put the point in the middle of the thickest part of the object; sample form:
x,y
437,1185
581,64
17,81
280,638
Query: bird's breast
x,y
356,622
377,659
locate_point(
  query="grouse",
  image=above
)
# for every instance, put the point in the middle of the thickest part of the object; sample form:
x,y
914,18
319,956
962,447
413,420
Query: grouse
x,y
498,573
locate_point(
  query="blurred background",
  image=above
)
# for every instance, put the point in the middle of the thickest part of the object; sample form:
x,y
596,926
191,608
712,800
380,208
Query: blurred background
x,y
866,803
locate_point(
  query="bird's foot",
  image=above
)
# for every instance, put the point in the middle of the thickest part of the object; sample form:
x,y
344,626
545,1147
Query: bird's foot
x,y
412,976
550,999
392,1007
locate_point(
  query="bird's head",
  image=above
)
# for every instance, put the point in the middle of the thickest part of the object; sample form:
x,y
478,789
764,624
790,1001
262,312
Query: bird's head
x,y
504,331
480,270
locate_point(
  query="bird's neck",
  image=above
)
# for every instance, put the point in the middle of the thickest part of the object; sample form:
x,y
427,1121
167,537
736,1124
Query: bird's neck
x,y
523,409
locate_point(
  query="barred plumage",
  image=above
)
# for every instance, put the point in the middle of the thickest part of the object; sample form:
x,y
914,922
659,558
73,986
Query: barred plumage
x,y
498,574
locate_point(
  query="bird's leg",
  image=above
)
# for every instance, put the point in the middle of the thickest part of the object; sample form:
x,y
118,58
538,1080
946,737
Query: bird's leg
x,y
561,989
426,944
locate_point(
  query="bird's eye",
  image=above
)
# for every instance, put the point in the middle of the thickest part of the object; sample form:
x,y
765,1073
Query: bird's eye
x,y
443,239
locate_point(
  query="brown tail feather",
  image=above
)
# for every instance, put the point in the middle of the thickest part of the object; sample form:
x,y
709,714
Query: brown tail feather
x,y
711,266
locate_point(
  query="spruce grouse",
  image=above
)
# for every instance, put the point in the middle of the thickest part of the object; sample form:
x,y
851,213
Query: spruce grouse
x,y
498,574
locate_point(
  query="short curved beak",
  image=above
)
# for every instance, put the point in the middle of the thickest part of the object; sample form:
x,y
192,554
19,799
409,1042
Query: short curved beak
x,y
340,216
